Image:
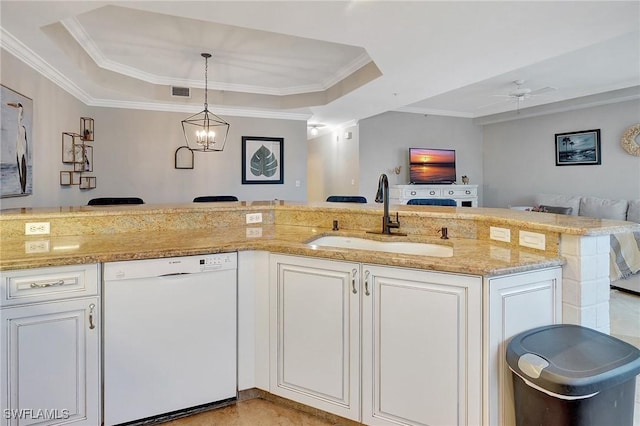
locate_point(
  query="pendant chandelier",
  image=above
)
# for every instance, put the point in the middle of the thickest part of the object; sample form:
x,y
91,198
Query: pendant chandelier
x,y
205,131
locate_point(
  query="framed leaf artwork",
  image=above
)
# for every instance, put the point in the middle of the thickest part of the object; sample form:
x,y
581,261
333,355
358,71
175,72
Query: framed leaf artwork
x,y
262,160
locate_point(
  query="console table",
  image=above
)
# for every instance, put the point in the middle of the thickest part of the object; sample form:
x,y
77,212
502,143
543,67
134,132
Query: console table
x,y
464,195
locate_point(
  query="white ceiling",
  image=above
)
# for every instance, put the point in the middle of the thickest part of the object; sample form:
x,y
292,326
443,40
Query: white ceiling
x,y
330,62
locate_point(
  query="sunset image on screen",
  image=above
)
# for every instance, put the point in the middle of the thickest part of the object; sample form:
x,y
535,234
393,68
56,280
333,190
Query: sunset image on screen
x,y
431,156
432,166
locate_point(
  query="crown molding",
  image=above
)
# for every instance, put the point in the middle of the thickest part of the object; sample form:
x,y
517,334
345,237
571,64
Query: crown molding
x,y
14,46
430,111
77,31
190,109
590,101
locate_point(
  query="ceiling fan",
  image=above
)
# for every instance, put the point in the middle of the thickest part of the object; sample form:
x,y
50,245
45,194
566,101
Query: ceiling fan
x,y
521,93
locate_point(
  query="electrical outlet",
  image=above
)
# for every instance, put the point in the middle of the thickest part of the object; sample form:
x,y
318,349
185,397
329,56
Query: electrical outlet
x,y
40,246
36,228
254,217
500,234
254,232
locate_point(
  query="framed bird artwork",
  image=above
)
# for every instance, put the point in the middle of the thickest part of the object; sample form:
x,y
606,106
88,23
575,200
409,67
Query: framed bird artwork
x,y
16,168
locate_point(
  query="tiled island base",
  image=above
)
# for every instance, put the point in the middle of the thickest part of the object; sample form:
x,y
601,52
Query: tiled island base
x,y
585,281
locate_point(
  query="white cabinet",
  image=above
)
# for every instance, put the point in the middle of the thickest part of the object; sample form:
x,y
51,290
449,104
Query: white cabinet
x,y
395,346
515,303
416,334
464,195
50,346
422,347
315,328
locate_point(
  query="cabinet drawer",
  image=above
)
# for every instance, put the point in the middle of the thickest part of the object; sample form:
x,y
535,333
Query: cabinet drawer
x,y
422,193
37,285
460,192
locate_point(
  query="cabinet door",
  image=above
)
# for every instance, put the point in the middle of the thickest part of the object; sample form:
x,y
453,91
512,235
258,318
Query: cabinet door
x,y
50,363
422,343
517,303
315,345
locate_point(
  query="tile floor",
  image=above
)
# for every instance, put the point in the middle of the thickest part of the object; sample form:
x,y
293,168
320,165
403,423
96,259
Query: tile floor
x,y
625,325
624,314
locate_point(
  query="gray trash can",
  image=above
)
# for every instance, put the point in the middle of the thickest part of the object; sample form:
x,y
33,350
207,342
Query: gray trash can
x,y
572,376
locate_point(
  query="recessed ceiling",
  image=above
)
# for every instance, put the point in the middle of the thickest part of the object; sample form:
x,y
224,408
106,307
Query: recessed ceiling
x,y
330,62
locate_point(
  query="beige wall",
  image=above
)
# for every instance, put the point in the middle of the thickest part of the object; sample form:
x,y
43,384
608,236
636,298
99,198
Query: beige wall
x,y
134,151
333,165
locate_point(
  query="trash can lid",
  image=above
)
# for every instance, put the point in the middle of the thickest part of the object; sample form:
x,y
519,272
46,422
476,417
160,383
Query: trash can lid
x,y
572,360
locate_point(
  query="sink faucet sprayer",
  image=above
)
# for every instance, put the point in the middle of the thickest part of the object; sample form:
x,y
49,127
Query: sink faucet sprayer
x,y
382,196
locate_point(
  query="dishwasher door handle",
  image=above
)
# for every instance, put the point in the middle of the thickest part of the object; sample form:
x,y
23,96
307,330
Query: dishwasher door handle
x,y
174,274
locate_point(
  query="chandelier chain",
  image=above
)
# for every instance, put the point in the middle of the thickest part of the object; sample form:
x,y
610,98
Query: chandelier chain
x,y
206,69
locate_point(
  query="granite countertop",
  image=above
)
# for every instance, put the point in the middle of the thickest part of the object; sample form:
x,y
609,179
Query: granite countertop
x,y
476,257
91,234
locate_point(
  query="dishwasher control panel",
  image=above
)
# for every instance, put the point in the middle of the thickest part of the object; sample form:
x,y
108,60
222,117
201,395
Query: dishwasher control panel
x,y
215,262
132,269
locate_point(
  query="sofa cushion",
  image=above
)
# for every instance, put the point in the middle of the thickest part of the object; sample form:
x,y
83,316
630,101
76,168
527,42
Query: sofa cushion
x,y
633,212
603,208
557,200
556,209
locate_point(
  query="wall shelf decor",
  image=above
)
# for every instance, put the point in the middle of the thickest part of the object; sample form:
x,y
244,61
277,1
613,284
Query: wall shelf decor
x,y
68,178
76,152
71,147
183,158
86,128
87,182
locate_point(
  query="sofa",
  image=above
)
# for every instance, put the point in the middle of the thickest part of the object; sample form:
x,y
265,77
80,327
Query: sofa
x,y
625,248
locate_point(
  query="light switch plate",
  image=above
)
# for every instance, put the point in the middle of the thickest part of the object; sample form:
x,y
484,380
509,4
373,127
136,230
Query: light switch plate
x,y
500,234
532,240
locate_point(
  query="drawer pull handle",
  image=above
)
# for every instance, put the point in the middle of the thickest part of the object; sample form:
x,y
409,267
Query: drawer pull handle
x,y
451,192
467,192
432,192
91,324
354,273
366,283
413,192
45,285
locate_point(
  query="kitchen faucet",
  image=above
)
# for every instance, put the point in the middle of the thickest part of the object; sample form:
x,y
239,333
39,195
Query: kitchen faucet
x,y
382,196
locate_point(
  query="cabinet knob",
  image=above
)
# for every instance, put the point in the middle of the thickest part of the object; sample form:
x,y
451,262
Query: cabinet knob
x,y
413,192
467,192
432,192
450,192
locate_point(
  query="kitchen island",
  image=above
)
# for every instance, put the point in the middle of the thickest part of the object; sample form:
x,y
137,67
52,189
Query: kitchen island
x,y
461,309
87,234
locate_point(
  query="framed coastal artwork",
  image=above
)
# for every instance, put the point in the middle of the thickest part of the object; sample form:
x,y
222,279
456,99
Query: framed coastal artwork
x,y
262,160
16,167
578,148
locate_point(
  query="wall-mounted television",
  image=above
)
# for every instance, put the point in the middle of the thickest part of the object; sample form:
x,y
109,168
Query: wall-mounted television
x,y
432,166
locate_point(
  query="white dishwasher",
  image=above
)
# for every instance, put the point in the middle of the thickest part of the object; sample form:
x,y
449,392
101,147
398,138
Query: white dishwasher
x,y
169,335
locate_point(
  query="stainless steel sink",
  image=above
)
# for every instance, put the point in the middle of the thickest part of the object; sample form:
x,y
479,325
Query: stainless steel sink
x,y
423,249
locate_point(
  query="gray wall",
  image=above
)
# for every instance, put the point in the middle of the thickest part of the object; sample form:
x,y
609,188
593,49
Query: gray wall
x,y
134,151
519,157
386,138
